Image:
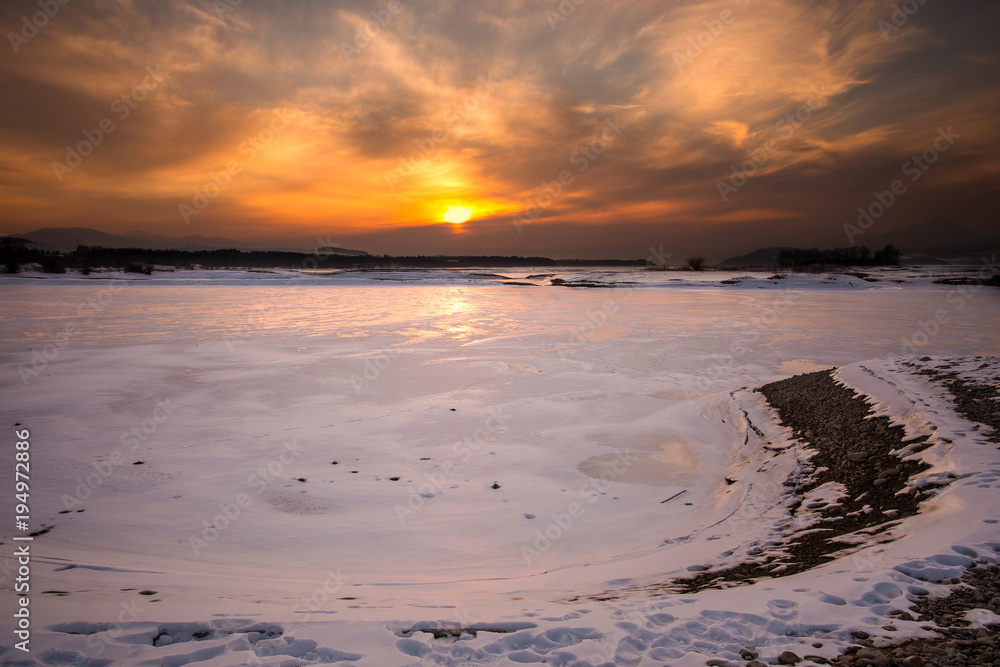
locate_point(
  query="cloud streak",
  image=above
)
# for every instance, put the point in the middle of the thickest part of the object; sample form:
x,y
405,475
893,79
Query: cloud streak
x,y
391,121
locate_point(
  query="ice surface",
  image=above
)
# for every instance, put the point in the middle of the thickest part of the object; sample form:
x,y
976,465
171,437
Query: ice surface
x,y
460,471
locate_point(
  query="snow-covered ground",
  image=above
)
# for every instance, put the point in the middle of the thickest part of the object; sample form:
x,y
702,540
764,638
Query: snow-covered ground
x,y
277,468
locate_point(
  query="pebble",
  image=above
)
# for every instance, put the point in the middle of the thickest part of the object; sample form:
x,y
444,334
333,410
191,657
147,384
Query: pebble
x,y
957,642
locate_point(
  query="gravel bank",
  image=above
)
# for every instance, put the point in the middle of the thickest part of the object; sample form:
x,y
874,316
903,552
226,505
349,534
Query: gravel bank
x,y
850,449
817,414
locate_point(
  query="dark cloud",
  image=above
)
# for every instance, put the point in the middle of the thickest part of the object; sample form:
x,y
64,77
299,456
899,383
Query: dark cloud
x,y
485,104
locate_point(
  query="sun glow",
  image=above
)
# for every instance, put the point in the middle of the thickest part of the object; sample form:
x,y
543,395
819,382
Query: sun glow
x,y
457,214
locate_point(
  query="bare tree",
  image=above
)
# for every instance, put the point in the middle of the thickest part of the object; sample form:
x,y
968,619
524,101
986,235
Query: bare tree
x,y
696,263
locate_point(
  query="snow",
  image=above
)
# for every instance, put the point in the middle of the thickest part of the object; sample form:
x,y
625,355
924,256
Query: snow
x,y
195,418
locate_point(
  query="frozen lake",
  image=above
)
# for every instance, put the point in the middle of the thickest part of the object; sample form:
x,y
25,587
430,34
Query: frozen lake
x,y
442,444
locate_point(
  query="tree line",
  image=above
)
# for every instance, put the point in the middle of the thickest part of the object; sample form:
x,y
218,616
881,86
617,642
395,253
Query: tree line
x,y
853,256
143,260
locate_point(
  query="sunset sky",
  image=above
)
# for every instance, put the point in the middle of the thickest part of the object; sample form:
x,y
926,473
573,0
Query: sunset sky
x,y
581,128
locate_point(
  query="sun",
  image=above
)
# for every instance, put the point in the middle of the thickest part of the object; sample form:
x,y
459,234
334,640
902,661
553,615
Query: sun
x,y
457,214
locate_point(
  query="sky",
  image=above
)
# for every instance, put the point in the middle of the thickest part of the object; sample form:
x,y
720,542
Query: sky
x,y
572,128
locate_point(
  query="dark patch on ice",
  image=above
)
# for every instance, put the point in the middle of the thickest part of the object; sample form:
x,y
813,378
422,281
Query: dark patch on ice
x,y
80,628
440,630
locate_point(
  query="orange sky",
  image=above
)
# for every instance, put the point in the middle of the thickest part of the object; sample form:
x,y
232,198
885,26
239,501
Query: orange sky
x,y
599,131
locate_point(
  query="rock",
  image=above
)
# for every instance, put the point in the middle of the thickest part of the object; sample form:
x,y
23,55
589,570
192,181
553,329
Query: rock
x,y
870,654
860,634
747,654
788,658
858,456
495,486
756,663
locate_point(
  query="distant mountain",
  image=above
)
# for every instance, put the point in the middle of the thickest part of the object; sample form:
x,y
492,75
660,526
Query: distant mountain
x,y
66,239
193,242
940,237
333,250
761,257
931,242
937,236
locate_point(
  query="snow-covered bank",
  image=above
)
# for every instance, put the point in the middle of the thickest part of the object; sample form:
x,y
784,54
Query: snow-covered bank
x,y
222,514
820,278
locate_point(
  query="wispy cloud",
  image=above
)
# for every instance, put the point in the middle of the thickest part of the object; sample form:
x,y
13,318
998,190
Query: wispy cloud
x,y
700,85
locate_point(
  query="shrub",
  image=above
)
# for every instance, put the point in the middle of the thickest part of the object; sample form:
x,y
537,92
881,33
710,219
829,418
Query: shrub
x,y
696,263
135,267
